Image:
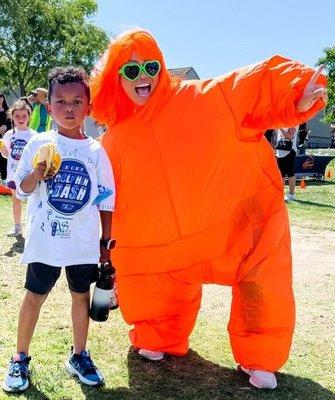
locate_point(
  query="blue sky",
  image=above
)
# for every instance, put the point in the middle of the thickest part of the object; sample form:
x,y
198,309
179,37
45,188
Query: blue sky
x,y
216,37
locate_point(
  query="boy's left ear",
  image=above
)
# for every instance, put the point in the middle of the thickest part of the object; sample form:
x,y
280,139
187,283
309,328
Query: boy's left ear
x,y
89,109
48,107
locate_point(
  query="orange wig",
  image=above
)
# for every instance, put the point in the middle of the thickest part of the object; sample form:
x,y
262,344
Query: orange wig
x,y
110,103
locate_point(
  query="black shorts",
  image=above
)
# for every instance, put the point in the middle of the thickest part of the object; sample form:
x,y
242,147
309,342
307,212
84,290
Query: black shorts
x,y
286,164
41,278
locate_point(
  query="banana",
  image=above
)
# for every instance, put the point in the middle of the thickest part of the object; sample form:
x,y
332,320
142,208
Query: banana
x,y
47,152
2,144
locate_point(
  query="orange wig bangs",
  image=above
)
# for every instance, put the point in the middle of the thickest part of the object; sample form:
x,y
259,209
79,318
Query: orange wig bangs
x,y
110,103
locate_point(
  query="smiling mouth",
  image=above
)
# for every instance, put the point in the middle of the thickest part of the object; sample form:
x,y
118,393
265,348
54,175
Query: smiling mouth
x,y
143,90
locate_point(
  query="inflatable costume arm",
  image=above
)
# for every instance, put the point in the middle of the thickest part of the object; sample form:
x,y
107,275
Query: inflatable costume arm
x,y
264,95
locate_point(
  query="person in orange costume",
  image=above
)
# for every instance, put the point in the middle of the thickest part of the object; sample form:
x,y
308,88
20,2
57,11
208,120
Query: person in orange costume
x,y
200,197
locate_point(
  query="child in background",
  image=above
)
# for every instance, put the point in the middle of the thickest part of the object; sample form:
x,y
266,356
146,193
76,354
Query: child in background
x,y
286,159
14,142
63,223
5,124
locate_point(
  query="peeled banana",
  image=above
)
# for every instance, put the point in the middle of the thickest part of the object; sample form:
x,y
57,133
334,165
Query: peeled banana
x,y
47,152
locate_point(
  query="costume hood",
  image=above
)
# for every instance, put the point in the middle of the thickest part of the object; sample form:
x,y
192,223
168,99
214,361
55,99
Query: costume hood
x,y
110,102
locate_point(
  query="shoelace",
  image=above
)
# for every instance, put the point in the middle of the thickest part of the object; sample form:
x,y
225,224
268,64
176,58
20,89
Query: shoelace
x,y
86,364
19,368
89,366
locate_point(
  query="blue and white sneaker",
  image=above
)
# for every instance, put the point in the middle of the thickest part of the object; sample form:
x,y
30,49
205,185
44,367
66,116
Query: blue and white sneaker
x,y
83,366
17,375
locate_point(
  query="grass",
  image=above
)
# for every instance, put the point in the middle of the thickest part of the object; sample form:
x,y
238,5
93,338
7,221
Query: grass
x,y
314,206
208,371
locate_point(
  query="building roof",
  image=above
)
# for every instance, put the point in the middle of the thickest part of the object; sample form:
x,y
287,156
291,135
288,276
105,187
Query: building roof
x,y
184,73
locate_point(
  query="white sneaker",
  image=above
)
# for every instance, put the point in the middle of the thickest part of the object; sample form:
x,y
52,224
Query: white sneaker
x,y
261,379
151,355
289,197
15,231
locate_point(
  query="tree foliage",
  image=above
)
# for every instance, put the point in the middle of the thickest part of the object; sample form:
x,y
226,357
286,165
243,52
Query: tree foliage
x,y
37,35
328,60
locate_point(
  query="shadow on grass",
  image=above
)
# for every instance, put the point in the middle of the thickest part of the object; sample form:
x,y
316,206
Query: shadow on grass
x,y
17,247
32,393
192,377
312,203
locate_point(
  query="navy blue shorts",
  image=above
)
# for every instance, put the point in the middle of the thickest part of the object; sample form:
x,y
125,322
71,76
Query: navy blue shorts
x,y
41,278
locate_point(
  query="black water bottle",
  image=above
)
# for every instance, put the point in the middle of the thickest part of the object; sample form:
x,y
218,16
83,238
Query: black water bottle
x,y
104,295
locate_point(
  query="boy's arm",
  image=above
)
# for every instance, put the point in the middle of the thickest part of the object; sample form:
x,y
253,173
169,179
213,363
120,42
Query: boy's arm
x,y
105,202
30,182
106,229
26,176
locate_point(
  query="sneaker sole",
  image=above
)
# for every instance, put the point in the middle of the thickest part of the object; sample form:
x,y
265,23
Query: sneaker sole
x,y
20,389
82,379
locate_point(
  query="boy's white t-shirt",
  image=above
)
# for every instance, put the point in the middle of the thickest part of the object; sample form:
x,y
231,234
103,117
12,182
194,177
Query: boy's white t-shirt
x,y
15,141
63,212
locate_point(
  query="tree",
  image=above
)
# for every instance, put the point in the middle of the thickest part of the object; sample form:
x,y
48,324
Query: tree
x,y
37,35
328,60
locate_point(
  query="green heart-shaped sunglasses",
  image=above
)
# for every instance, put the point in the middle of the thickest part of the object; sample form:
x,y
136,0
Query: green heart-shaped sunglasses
x,y
132,70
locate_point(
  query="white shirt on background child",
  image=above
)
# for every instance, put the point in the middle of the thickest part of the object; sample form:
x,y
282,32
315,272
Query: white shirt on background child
x,y
63,212
15,141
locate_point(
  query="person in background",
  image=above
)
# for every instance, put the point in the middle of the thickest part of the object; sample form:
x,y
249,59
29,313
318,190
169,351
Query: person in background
x,y
271,137
5,124
40,120
28,100
302,138
15,140
286,158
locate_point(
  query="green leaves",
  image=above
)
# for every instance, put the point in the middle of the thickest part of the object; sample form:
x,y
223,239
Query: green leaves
x,y
328,60
37,35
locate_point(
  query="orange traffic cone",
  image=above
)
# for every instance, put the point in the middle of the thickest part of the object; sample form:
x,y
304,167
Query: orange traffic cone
x,y
303,183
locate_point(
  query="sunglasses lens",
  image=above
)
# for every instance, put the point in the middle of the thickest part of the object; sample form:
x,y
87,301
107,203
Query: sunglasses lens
x,y
152,68
132,71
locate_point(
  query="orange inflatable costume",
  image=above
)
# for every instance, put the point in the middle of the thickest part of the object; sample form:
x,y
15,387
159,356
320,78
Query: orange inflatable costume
x,y
200,200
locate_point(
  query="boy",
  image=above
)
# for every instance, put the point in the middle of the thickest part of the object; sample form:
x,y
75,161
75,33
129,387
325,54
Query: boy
x,y
63,223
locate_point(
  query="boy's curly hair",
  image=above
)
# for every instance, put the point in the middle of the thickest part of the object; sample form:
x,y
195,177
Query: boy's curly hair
x,y
64,75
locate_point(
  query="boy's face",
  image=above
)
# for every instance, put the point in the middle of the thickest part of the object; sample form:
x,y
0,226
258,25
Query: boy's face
x,y
140,90
69,105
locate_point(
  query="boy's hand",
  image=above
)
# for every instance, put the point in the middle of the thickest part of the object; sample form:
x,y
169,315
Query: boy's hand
x,y
39,171
312,93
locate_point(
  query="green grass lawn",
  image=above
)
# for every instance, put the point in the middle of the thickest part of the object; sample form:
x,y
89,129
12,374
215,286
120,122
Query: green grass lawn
x,y
208,371
314,206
